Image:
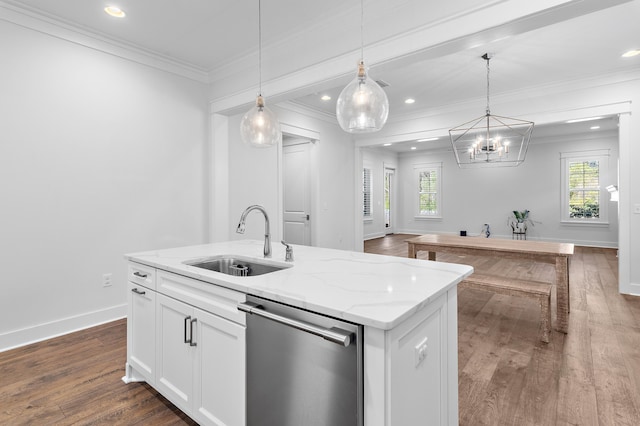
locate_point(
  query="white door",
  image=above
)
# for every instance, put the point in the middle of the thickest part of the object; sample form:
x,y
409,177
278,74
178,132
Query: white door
x,y
296,197
389,199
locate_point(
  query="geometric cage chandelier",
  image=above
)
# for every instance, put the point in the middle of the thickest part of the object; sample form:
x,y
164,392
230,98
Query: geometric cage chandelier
x,y
491,140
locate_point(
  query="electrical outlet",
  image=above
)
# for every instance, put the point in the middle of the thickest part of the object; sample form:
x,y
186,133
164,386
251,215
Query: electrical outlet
x,y
636,208
106,280
420,352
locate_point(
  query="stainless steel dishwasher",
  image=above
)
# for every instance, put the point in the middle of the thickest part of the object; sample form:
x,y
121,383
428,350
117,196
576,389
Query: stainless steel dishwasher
x,y
303,369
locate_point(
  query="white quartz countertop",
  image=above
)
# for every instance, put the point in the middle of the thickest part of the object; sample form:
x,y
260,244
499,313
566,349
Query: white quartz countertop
x,y
368,289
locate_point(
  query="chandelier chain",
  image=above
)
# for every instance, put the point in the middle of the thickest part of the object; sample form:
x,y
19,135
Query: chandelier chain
x,y
488,71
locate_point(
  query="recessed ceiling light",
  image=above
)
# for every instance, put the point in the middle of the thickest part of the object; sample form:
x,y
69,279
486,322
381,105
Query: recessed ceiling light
x,y
115,11
580,120
413,147
594,127
387,144
409,101
631,53
427,140
326,98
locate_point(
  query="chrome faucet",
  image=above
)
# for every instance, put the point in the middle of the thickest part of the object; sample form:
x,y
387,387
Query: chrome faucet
x,y
267,236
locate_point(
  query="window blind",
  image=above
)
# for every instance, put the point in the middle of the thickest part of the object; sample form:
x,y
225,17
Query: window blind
x,y
366,192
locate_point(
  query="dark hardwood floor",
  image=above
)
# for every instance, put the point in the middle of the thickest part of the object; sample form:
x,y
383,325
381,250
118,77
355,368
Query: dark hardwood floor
x,y
76,380
591,376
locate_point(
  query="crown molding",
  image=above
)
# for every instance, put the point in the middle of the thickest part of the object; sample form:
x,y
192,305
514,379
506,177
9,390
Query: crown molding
x,y
36,20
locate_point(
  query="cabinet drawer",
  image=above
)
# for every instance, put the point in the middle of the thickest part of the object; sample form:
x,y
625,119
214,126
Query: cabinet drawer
x,y
142,275
208,297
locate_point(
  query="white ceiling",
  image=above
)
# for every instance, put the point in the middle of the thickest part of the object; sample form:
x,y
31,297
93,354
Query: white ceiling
x,y
208,35
199,33
578,48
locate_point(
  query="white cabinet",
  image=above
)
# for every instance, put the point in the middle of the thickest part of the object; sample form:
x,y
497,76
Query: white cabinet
x,y
411,371
418,357
175,353
141,314
200,363
141,337
219,373
197,355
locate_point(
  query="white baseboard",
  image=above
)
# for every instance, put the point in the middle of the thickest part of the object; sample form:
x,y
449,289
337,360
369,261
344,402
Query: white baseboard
x,y
634,289
37,333
374,236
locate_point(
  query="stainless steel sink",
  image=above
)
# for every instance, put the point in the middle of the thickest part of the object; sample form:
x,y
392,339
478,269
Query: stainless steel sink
x,y
236,266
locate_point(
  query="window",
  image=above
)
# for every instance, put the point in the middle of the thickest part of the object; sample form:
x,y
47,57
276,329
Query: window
x,y
428,179
584,197
366,192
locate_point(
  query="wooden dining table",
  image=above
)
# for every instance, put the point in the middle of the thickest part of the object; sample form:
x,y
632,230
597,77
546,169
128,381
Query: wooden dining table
x,y
557,254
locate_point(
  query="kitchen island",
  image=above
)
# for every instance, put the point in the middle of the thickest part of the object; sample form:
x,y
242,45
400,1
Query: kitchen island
x,y
407,307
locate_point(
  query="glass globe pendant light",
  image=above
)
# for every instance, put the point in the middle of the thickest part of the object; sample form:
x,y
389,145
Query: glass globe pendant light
x,y
260,127
362,106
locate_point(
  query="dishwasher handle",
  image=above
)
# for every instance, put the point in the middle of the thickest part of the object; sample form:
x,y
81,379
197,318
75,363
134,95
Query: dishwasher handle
x,y
334,334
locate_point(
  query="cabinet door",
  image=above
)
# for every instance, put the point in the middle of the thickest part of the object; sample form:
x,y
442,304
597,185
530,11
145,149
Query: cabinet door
x,y
175,358
418,368
219,375
141,332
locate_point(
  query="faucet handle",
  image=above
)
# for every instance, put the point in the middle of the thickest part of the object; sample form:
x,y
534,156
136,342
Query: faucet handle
x,y
289,252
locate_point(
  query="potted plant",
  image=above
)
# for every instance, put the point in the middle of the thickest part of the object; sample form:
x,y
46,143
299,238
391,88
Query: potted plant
x,y
519,221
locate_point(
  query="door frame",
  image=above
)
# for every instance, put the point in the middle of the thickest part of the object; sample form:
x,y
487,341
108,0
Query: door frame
x,y
313,137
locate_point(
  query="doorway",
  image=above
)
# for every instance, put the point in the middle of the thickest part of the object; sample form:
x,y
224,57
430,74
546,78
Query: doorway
x,y
296,200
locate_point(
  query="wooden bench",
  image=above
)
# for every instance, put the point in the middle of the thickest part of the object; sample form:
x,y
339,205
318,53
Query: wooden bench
x,y
540,291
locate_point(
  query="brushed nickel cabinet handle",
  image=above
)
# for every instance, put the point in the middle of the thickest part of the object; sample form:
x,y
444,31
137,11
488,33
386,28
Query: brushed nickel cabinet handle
x,y
186,325
191,340
136,291
140,274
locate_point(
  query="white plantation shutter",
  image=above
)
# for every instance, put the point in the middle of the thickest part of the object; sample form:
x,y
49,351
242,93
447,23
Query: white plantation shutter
x,y
584,181
366,192
429,190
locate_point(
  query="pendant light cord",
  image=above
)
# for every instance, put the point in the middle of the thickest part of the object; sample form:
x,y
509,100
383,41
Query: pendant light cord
x,y
362,30
260,47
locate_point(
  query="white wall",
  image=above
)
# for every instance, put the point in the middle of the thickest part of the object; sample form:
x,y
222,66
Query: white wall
x,y
603,96
254,179
473,197
99,156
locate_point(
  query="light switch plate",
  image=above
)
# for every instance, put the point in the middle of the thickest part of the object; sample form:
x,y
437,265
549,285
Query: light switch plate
x,y
420,351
